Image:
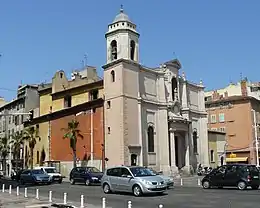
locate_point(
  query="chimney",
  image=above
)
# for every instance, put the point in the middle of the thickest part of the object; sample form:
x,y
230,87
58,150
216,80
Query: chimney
x,y
244,87
226,94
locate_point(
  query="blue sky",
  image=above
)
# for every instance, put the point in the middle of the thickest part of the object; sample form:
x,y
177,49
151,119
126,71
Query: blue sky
x,y
215,41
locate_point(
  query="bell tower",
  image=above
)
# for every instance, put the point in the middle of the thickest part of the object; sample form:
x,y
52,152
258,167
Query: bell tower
x,y
122,39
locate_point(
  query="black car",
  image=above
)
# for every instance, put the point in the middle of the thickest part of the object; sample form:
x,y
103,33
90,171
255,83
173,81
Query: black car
x,y
233,175
86,175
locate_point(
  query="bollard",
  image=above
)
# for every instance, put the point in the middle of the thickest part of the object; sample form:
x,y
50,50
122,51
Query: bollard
x,y
17,191
181,182
37,194
3,188
82,201
198,182
65,198
103,202
160,206
50,196
129,204
10,189
25,192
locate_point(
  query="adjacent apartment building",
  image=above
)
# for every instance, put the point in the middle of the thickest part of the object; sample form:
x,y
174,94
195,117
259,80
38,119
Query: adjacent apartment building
x,y
153,116
79,98
237,113
13,114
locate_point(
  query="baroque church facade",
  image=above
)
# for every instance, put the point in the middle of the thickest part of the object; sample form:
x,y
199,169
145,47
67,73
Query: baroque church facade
x,y
154,117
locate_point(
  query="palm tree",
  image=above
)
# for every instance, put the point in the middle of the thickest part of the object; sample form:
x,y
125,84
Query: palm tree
x,y
30,135
72,133
16,143
4,150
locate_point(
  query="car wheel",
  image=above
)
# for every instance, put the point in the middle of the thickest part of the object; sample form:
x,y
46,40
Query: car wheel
x,y
206,184
72,182
106,188
241,185
60,181
255,187
87,182
137,191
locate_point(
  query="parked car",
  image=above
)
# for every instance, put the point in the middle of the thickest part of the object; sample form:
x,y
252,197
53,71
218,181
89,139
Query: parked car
x,y
236,175
34,177
52,172
168,179
136,180
86,175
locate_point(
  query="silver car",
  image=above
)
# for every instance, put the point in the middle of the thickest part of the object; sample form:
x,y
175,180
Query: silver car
x,y
136,180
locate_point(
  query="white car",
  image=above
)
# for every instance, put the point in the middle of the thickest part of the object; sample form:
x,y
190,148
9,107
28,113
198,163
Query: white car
x,y
52,172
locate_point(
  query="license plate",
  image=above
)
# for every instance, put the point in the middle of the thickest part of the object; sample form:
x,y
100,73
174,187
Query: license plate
x,y
255,176
159,186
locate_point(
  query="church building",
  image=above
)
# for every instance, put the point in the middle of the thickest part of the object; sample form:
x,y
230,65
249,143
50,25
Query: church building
x,y
154,117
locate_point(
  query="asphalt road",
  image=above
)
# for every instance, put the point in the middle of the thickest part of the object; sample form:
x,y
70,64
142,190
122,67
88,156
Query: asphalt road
x,y
180,197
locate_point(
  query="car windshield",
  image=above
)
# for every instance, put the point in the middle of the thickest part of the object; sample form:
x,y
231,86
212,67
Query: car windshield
x,y
142,172
37,172
93,170
50,170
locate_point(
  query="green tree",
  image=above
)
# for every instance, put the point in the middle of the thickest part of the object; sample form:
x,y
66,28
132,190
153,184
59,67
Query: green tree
x,y
30,135
73,133
4,151
16,144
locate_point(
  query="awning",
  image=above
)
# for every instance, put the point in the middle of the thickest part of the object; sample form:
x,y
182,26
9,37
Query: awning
x,y
237,159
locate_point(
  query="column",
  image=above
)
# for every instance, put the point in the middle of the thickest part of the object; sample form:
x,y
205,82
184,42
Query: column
x,y
187,147
174,169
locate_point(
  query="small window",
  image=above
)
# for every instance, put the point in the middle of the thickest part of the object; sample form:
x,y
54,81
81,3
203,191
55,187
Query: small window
x,y
67,102
108,130
123,23
213,118
108,104
195,142
38,157
93,95
112,76
61,75
221,117
211,155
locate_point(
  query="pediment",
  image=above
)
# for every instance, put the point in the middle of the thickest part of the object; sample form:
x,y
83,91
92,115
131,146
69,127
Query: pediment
x,y
174,62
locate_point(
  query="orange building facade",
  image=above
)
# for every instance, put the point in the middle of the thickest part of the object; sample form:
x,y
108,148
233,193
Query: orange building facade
x,y
234,115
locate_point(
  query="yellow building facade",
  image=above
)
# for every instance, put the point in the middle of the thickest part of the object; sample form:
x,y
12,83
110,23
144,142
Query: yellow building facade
x,y
56,96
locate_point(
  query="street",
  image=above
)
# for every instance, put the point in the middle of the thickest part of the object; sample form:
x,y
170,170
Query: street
x,y
181,197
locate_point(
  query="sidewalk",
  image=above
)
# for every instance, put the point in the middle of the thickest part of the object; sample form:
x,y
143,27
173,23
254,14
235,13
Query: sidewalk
x,y
12,201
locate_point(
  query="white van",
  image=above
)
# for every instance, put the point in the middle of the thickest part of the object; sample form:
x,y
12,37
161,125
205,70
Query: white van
x,y
52,172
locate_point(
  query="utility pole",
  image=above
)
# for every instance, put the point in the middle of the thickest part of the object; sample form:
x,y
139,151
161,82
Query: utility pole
x,y
256,138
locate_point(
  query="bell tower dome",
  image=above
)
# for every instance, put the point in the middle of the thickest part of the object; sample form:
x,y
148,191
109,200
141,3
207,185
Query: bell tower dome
x,y
122,39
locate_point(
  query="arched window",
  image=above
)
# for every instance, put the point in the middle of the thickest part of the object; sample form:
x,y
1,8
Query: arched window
x,y
150,134
113,76
113,46
211,155
174,87
195,142
132,50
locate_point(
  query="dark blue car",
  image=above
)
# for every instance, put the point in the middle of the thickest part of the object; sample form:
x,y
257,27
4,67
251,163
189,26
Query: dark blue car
x,y
86,175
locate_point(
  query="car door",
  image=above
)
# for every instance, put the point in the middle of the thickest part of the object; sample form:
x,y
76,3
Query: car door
x,y
231,176
26,176
124,182
114,178
217,176
78,175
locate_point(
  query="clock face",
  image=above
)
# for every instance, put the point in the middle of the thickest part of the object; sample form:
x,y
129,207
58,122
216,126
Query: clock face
x,y
176,109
